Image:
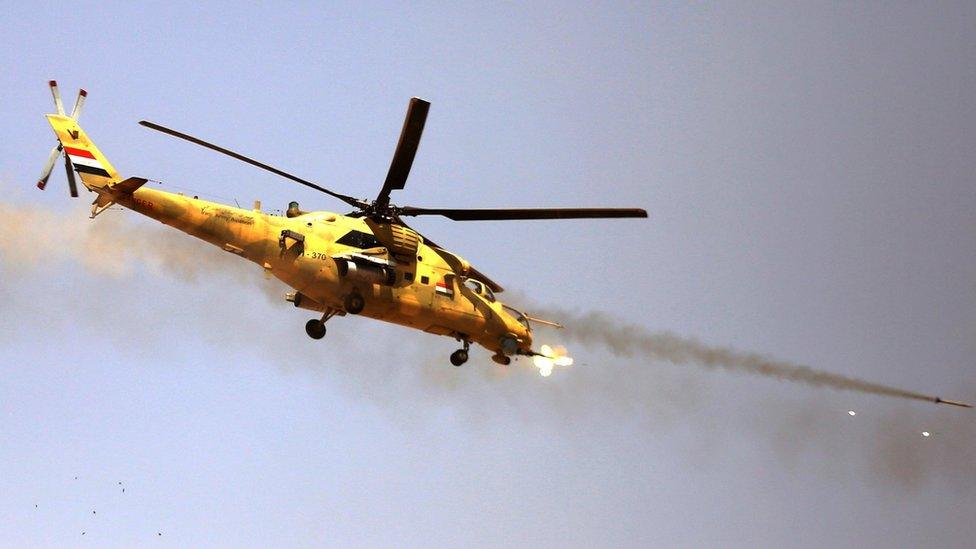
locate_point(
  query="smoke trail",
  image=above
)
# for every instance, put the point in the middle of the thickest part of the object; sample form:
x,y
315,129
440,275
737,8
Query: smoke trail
x,y
115,247
124,248
630,340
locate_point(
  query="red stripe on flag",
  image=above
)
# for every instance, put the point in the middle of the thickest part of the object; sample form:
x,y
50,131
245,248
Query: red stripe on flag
x,y
79,152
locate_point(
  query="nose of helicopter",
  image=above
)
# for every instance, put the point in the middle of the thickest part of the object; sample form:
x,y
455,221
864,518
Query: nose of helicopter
x,y
520,340
517,335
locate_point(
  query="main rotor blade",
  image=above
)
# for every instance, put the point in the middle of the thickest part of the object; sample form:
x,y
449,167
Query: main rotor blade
x,y
347,199
525,213
413,128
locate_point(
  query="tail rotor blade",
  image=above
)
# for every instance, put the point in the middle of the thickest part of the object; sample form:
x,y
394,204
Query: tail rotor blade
x,y
48,167
72,186
79,102
57,96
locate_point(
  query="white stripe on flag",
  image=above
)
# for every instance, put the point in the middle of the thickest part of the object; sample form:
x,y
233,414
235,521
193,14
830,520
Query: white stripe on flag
x,y
82,161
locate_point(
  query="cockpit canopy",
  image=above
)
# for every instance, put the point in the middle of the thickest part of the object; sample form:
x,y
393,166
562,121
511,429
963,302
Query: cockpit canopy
x,y
359,239
479,288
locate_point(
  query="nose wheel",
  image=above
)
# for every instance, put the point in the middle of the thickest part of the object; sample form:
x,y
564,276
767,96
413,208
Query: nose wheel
x,y
460,356
315,328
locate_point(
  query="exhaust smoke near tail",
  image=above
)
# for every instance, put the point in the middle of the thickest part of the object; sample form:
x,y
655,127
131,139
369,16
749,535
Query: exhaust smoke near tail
x,y
624,340
113,246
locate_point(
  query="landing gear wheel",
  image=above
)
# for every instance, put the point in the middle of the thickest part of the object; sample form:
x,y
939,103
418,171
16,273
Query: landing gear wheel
x,y
315,328
354,303
459,357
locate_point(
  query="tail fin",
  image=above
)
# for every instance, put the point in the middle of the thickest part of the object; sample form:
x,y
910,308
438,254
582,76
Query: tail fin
x,y
94,169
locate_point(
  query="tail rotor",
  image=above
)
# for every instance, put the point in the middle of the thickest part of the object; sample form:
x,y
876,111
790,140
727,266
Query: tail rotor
x,y
57,96
79,103
49,166
58,150
72,184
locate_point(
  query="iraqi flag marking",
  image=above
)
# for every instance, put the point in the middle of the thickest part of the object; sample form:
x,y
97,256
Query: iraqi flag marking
x,y
443,289
85,162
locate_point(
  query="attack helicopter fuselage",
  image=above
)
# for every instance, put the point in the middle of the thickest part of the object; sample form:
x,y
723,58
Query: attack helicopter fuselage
x,y
328,257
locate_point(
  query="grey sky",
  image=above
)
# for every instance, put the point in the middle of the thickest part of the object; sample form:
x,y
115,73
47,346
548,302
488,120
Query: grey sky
x,y
809,174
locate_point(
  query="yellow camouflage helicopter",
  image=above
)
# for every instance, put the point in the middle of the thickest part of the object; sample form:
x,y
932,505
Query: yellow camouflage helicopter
x,y
367,262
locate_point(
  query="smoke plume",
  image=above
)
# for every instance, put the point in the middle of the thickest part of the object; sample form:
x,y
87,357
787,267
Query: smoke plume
x,y
624,340
112,246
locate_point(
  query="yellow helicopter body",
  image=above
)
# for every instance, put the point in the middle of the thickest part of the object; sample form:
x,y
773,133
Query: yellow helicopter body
x,y
367,263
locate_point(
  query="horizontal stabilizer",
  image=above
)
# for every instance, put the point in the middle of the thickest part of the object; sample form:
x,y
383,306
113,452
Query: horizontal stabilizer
x,y
129,186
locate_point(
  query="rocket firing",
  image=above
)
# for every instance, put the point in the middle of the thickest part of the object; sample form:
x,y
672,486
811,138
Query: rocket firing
x,y
939,400
551,357
627,340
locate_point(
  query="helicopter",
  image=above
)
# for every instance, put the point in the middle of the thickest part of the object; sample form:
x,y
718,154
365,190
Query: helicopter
x,y
367,262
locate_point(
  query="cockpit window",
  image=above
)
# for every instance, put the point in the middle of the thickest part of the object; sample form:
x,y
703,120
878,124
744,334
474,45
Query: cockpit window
x,y
359,239
479,288
473,285
519,316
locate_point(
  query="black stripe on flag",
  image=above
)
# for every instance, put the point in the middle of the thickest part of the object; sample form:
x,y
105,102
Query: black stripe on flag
x,y
81,168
